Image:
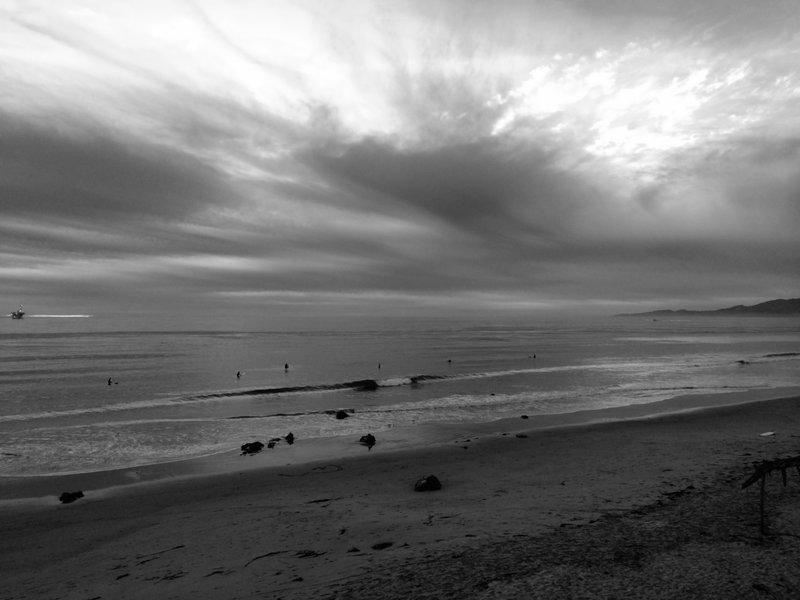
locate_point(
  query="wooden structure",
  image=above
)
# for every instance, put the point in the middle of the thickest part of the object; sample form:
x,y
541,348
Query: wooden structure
x,y
764,469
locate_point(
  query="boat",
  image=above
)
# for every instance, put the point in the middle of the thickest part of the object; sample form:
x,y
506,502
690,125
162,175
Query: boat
x,y
18,314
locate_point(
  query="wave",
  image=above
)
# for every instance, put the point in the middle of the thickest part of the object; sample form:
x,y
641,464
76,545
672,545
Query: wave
x,y
357,385
58,316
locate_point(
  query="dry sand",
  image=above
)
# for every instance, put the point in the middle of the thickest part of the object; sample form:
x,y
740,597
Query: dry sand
x,y
647,507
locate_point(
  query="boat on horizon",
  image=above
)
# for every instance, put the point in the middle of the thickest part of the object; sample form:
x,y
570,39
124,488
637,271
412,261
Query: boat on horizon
x,y
18,314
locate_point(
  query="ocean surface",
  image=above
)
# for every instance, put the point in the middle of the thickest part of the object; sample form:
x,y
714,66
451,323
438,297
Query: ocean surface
x,y
176,394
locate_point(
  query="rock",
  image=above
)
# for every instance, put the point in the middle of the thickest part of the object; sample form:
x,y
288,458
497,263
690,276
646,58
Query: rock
x,y
271,444
341,414
289,438
252,448
367,440
67,497
430,483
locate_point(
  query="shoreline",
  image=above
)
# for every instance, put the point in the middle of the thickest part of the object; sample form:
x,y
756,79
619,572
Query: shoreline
x,y
353,527
45,489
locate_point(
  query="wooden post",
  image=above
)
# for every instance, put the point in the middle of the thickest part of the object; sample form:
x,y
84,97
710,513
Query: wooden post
x,y
764,469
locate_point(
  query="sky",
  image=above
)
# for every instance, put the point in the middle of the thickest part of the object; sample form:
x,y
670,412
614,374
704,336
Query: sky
x,y
299,159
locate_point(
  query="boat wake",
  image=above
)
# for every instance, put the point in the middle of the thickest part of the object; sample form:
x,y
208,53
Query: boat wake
x,y
58,316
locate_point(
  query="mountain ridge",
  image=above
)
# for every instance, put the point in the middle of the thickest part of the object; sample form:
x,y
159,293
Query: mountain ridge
x,y
770,307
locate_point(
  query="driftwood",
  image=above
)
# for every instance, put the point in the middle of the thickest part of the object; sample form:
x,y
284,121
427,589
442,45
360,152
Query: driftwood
x,y
764,469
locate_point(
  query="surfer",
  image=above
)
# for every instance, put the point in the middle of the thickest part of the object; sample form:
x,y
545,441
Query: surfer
x,y
238,374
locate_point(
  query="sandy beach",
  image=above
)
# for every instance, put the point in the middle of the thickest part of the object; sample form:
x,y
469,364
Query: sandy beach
x,y
644,502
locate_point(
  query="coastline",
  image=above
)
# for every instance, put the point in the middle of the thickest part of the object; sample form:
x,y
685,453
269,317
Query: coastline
x,y
44,489
335,528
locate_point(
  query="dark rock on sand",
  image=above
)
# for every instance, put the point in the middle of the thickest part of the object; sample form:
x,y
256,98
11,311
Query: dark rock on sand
x,y
341,414
430,483
252,448
68,497
367,440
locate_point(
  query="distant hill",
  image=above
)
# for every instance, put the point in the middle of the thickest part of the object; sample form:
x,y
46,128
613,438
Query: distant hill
x,y
772,307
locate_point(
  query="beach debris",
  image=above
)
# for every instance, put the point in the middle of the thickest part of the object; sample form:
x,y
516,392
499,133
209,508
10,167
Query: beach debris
x,y
260,556
289,438
523,416
767,434
367,440
382,545
321,500
521,435
68,497
341,414
252,448
429,483
761,472
146,558
217,572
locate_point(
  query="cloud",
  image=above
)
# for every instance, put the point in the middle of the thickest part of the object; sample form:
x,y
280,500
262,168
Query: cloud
x,y
512,154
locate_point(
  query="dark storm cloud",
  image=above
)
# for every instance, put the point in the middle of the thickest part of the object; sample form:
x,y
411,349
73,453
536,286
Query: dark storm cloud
x,y
90,177
487,189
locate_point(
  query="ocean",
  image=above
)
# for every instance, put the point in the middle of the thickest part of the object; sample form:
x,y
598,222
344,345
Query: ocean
x,y
175,394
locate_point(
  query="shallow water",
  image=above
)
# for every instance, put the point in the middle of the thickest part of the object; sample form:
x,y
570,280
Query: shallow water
x,y
175,394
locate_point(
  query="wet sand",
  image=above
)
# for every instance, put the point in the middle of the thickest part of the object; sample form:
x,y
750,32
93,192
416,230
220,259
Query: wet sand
x,y
620,503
